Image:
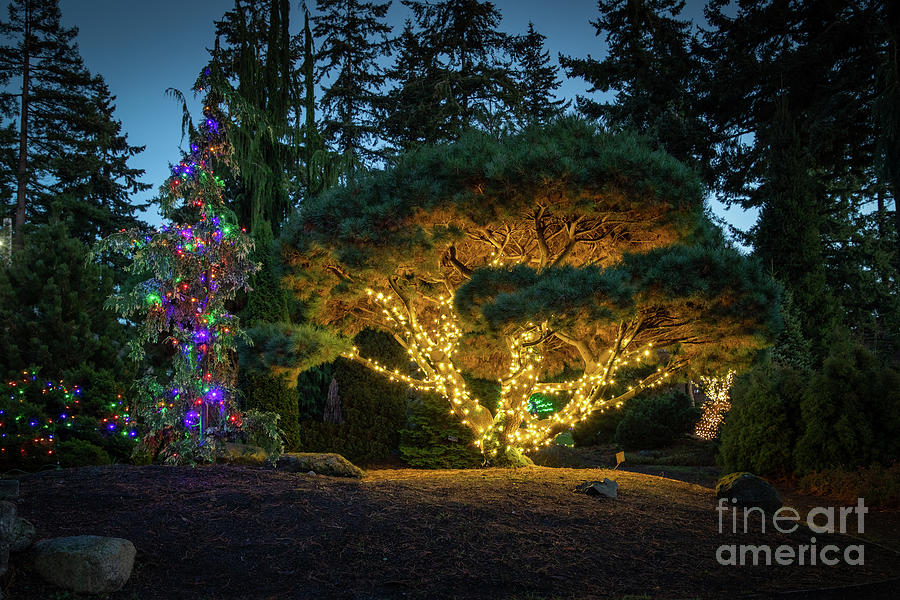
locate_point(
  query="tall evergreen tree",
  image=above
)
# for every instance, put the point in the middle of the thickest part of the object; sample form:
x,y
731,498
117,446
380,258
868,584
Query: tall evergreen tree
x,y
788,235
536,78
51,307
453,72
354,35
412,109
809,71
61,111
651,69
96,182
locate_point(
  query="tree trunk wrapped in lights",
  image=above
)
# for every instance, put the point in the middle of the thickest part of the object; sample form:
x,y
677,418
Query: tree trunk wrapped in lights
x,y
517,258
191,269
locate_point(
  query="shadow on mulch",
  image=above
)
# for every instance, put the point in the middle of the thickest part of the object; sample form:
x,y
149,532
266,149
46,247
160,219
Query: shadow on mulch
x,y
223,532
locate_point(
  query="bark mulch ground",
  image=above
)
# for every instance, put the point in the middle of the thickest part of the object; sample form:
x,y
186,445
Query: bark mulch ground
x,y
223,532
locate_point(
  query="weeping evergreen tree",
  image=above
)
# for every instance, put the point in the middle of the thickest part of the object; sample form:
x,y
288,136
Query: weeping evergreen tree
x,y
354,35
63,151
537,78
519,257
254,53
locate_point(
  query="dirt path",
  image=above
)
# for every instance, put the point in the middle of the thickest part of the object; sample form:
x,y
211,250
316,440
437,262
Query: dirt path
x,y
224,532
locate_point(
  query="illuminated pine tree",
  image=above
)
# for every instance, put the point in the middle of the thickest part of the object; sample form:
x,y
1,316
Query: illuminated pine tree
x,y
189,270
560,261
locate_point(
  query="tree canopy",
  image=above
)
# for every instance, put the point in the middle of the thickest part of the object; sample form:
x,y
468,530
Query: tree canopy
x,y
63,152
528,258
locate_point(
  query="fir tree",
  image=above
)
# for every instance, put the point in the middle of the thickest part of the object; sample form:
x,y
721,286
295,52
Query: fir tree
x,y
411,112
787,237
96,182
354,35
188,272
806,80
651,68
452,72
62,111
51,304
536,78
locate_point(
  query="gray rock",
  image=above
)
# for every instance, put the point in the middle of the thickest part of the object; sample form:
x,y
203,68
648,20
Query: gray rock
x,y
242,454
607,488
746,490
7,519
559,456
23,535
7,523
9,489
84,563
321,463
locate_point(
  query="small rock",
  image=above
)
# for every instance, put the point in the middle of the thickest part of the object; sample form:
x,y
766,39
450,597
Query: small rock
x,y
242,454
9,489
23,535
746,490
319,463
84,563
607,488
558,456
311,473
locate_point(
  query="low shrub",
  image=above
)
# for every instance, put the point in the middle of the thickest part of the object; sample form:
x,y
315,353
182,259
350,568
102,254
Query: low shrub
x,y
435,439
265,392
262,429
372,408
850,411
656,421
761,429
79,453
880,486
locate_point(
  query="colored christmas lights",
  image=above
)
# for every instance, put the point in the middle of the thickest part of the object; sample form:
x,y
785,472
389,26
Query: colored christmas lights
x,y
194,268
36,414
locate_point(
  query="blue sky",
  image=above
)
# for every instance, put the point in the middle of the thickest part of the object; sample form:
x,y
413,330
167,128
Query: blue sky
x,y
142,48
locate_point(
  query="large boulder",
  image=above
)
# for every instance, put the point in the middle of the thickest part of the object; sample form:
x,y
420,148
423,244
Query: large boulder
x,y
9,489
556,455
320,463
241,454
84,563
23,535
748,490
7,524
